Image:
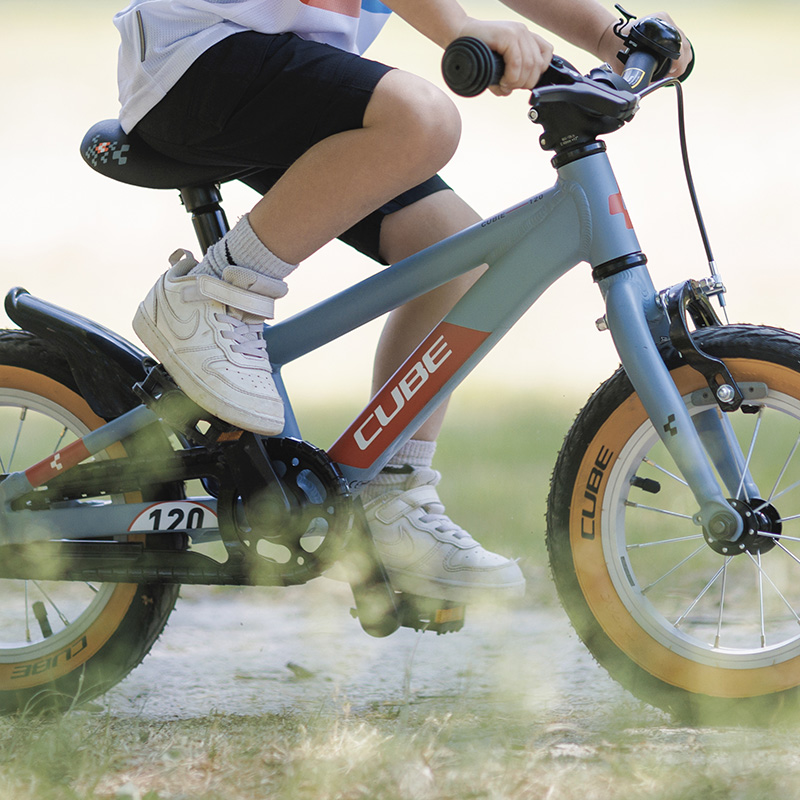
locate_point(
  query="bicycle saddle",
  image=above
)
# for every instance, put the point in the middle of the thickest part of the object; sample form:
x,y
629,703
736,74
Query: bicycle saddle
x,y
125,157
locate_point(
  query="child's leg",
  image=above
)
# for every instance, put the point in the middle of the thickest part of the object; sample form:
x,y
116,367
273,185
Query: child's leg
x,y
404,233
400,131
411,130
408,130
423,550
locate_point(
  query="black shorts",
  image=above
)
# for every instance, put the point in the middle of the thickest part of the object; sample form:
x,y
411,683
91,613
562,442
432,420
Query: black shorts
x,y
258,100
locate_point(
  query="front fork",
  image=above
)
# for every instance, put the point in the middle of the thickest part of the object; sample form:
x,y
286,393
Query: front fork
x,y
637,321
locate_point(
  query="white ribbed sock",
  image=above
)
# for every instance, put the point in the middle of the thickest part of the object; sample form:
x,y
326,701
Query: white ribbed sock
x,y
241,247
414,454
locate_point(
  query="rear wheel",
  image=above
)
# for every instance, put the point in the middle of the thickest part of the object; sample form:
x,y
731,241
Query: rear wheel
x,y
704,629
62,641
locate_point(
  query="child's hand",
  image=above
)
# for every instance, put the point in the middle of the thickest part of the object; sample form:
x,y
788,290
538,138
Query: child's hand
x,y
611,44
526,55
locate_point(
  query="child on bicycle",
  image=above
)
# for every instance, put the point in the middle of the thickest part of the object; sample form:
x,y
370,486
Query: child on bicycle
x,y
342,147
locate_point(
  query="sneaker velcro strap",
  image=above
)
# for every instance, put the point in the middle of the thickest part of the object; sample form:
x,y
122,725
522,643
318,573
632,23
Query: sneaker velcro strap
x,y
241,299
399,506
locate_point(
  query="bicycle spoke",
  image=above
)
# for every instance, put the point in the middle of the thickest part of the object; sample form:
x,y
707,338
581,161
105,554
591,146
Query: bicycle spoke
x,y
783,469
718,637
760,579
27,615
50,600
782,537
786,490
773,497
789,553
64,432
23,413
631,504
700,596
669,572
666,541
665,471
780,594
753,440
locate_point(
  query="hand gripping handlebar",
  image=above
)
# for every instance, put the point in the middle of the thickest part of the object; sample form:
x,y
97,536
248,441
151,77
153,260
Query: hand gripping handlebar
x,y
469,66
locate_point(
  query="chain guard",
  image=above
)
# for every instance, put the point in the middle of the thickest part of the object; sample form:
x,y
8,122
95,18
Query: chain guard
x,y
285,510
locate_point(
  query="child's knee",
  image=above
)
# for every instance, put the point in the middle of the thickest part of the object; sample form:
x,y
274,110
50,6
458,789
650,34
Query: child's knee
x,y
422,118
439,122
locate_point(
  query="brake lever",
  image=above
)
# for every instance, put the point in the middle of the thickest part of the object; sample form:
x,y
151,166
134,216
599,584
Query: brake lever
x,y
559,73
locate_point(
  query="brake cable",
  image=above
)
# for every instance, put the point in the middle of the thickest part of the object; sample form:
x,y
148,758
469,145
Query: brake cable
x,y
718,287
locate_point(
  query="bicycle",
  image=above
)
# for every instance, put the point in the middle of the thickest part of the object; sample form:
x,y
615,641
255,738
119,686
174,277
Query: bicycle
x,y
677,578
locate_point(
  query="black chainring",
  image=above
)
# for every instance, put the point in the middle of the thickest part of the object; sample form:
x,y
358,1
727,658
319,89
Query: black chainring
x,y
284,508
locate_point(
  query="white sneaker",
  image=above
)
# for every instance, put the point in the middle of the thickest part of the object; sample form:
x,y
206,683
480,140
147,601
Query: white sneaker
x,y
425,553
208,335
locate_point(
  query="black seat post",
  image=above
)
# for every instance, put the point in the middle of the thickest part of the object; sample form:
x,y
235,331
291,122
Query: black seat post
x,y
208,218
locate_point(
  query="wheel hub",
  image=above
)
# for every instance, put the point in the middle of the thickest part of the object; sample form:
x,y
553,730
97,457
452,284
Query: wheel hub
x,y
760,533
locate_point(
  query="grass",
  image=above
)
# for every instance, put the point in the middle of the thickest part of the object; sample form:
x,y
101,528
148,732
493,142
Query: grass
x,y
380,755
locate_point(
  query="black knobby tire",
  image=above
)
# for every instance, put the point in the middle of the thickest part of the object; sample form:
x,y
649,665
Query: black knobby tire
x,y
64,642
704,634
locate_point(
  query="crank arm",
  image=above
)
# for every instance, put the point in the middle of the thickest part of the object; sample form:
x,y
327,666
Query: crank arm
x,y
376,608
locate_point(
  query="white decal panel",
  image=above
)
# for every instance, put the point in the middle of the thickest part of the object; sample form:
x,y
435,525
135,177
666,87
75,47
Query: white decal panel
x,y
176,515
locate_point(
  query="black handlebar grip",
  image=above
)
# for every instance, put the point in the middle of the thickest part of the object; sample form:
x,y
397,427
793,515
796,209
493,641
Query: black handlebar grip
x,y
653,45
639,69
469,66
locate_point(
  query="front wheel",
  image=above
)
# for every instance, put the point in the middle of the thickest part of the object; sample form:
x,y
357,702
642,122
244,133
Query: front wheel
x,y
708,632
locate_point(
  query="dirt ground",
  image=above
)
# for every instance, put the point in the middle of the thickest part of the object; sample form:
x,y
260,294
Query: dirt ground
x,y
255,651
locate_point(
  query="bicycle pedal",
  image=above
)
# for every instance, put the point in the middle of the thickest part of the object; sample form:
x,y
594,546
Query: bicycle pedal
x,y
430,614
159,392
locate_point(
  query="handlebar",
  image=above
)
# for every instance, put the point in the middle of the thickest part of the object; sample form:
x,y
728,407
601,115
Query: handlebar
x,y
650,47
639,70
469,66
574,109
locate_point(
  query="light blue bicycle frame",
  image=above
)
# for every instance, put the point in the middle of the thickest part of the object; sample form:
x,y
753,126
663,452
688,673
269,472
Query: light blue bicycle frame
x,y
527,248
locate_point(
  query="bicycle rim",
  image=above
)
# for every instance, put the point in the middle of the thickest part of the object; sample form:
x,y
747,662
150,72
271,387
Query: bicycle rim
x,y
718,624
48,628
